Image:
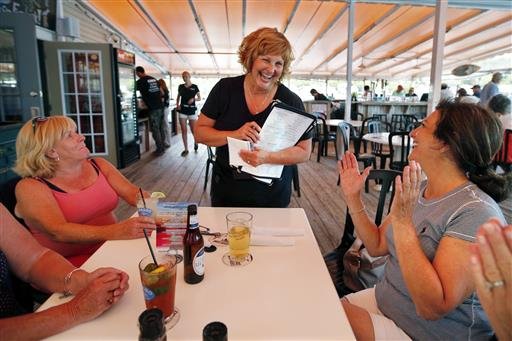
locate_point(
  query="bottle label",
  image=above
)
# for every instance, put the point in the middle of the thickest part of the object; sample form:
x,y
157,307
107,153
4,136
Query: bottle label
x,y
194,222
198,263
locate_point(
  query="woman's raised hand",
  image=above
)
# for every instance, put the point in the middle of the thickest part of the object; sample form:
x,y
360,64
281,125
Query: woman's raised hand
x,y
351,180
250,131
407,191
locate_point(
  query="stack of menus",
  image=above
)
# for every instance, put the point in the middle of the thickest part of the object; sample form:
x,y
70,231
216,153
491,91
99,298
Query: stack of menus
x,y
282,129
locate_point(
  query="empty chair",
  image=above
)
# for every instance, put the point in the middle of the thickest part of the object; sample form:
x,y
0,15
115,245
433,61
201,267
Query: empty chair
x,y
209,161
322,135
402,122
399,153
357,138
379,149
503,157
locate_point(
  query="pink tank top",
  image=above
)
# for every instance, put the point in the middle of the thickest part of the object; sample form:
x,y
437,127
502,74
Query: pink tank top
x,y
93,205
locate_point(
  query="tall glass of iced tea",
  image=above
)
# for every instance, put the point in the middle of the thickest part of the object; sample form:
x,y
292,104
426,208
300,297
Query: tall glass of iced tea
x,y
159,285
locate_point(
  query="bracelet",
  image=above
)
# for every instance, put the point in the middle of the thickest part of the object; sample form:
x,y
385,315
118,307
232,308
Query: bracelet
x,y
67,280
359,211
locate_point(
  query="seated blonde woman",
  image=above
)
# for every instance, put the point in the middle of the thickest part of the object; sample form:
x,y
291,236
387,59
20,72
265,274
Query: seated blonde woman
x,y
66,198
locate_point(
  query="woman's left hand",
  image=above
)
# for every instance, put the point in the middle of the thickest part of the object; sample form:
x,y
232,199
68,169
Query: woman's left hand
x,y
407,191
255,157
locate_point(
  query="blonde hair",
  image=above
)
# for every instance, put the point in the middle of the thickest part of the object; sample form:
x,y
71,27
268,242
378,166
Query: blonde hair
x,y
35,139
265,41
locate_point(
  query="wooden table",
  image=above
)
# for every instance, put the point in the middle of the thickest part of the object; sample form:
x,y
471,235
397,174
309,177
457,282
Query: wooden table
x,y
286,293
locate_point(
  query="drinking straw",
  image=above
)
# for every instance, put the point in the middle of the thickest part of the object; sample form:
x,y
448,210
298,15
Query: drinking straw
x,y
143,201
150,248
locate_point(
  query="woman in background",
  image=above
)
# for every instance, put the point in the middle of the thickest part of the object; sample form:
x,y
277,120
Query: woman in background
x,y
66,198
188,93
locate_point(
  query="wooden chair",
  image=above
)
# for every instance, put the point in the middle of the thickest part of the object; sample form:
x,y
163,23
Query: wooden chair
x,y
399,155
209,161
503,157
334,259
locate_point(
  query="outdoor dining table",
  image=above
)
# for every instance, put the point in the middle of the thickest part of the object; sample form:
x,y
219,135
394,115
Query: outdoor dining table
x,y
335,122
383,138
285,293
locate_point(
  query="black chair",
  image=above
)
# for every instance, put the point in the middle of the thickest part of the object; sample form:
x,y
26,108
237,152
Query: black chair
x,y
295,179
322,135
379,149
209,161
381,117
343,132
358,136
334,259
503,157
402,122
399,154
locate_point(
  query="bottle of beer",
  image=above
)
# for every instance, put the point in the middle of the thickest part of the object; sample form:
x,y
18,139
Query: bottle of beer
x,y
193,248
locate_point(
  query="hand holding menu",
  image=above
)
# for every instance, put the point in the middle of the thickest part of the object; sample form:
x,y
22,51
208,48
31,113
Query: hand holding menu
x,y
282,129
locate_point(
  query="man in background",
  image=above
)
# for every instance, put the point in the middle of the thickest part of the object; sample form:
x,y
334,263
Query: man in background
x,y
490,89
150,92
476,90
318,96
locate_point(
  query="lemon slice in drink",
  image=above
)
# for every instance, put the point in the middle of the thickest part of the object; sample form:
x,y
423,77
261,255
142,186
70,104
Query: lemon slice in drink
x,y
157,195
158,270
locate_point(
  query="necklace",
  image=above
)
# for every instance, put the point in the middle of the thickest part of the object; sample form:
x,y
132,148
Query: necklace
x,y
261,105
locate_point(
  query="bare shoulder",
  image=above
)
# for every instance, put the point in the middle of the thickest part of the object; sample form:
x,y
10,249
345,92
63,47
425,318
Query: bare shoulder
x,y
105,166
30,186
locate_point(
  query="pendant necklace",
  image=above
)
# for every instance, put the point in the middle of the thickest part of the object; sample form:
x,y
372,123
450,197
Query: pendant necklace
x,y
262,102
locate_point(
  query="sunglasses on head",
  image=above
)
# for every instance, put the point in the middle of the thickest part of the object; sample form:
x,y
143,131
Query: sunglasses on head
x,y
37,120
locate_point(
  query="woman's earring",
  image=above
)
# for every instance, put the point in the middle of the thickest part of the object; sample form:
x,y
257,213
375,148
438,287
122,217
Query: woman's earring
x,y
57,158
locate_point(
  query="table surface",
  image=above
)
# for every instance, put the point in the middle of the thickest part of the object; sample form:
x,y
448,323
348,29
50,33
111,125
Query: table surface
x,y
335,122
285,293
383,138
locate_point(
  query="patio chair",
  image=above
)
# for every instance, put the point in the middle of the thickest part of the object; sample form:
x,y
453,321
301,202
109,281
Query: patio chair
x,y
503,157
322,135
402,122
399,154
378,149
209,161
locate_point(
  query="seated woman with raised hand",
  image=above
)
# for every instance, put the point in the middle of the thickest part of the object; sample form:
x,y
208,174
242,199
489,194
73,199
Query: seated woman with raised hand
x,y
67,199
22,256
427,291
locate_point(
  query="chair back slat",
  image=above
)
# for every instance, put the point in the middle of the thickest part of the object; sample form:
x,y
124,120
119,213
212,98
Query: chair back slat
x,y
398,163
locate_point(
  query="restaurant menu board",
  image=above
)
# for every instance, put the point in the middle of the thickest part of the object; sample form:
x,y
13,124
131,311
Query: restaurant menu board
x,y
171,225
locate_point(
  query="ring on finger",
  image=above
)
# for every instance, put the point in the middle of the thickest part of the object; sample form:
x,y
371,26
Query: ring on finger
x,y
494,284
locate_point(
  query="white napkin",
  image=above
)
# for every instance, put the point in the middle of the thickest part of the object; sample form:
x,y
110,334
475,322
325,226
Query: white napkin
x,y
259,240
277,231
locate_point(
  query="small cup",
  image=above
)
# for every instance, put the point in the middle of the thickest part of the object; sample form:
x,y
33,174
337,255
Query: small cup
x,y
239,226
148,210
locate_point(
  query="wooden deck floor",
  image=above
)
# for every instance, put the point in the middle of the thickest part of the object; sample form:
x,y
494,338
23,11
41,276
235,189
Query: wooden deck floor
x,y
182,179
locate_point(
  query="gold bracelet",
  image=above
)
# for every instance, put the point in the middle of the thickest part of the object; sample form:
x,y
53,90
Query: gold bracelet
x,y
356,212
67,292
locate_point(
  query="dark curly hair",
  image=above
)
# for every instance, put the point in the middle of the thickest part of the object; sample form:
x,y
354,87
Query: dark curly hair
x,y
474,135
